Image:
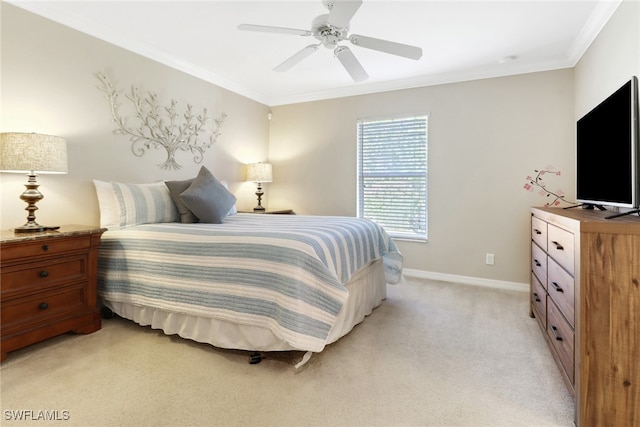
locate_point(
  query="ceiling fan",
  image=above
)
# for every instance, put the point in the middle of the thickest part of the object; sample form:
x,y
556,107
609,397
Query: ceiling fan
x,y
332,28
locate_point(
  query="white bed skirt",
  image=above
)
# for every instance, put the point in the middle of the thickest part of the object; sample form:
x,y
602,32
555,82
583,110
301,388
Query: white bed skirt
x,y
367,290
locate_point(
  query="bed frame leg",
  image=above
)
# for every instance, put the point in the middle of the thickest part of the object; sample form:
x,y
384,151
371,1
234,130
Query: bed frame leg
x,y
256,357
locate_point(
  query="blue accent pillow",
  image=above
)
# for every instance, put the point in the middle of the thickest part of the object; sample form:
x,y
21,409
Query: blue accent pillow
x,y
207,198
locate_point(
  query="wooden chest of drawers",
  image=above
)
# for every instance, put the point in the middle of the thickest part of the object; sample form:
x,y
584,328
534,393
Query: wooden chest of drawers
x,y
552,281
48,285
585,294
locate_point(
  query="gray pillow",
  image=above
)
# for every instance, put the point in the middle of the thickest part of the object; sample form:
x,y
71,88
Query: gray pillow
x,y
175,189
207,198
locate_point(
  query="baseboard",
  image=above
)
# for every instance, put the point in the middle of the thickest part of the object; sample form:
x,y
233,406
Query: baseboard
x,y
466,280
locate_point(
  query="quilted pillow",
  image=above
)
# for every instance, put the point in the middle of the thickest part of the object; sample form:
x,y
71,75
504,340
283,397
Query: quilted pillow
x,y
207,198
178,187
124,205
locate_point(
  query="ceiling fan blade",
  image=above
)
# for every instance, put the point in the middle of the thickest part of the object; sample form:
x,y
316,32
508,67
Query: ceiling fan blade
x,y
277,30
341,12
299,56
351,63
405,50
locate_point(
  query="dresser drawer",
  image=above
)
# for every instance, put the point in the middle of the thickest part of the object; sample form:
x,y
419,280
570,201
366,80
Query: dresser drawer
x,y
539,301
539,263
539,232
562,338
561,247
44,273
38,307
561,289
44,247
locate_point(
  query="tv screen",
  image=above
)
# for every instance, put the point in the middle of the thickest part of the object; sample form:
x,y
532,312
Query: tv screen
x,y
607,151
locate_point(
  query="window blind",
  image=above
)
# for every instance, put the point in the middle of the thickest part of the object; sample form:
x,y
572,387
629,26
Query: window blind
x,y
392,174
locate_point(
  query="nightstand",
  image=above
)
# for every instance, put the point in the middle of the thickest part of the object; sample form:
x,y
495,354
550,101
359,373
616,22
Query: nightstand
x,y
279,212
48,285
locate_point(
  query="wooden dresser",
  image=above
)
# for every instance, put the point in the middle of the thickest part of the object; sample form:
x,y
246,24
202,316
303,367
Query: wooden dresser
x,y
48,285
585,294
278,212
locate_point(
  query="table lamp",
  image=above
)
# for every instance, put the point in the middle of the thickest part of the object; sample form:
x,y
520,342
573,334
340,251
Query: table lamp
x,y
32,153
259,173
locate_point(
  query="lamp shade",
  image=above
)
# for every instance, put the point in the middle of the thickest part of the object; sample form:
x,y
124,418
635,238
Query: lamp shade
x,y
32,152
259,172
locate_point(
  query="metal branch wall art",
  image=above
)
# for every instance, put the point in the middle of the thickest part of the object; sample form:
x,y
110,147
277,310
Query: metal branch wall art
x,y
164,127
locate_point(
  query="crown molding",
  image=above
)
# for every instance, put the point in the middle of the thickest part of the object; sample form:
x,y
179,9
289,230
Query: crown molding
x,y
596,22
51,10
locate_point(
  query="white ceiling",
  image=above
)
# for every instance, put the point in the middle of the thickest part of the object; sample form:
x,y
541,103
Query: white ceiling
x,y
460,40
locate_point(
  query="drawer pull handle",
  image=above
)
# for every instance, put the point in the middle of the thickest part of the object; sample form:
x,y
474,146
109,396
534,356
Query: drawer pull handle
x,y
45,247
557,287
537,231
43,306
535,294
554,330
537,263
44,273
558,245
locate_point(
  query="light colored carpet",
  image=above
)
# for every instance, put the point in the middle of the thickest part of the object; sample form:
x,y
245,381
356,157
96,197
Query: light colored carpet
x,y
434,354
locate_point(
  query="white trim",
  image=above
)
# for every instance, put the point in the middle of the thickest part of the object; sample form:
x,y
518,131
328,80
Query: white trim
x,y
596,22
466,280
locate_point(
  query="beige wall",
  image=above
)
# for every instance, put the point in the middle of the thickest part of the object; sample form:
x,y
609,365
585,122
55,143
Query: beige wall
x,y
485,137
49,86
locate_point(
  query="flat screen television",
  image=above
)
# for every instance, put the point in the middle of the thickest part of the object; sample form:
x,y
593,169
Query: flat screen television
x,y
608,152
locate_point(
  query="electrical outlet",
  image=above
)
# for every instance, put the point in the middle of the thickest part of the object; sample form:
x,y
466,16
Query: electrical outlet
x,y
490,259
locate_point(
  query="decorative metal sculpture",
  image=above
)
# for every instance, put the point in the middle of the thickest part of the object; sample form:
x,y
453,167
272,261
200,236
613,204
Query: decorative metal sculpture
x,y
162,126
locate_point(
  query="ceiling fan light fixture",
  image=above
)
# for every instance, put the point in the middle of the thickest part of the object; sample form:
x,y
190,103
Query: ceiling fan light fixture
x,y
328,34
330,29
330,41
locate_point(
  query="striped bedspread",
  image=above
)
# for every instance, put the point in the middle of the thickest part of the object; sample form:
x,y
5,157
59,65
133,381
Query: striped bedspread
x,y
282,272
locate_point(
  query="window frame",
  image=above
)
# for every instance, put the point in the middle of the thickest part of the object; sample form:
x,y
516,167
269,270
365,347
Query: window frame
x,y
396,234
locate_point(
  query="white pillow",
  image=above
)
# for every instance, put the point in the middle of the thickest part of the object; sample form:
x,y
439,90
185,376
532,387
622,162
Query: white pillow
x,y
233,210
124,205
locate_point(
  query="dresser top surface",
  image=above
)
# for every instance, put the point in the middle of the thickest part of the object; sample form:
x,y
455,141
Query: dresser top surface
x,y
589,220
9,236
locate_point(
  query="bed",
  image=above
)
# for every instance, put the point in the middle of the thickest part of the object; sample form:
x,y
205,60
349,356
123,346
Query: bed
x,y
252,282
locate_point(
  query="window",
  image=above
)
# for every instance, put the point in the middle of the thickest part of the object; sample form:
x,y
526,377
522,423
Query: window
x,y
392,174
